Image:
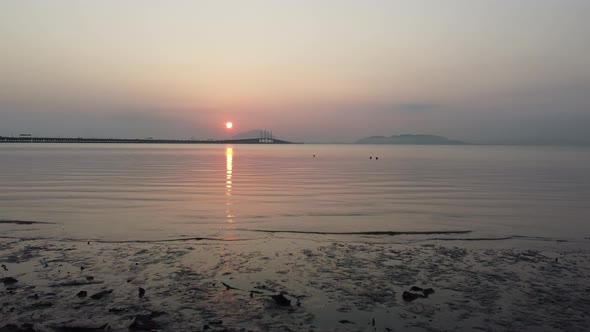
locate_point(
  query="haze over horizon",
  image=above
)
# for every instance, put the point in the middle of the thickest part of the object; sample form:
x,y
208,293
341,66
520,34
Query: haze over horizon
x,y
315,71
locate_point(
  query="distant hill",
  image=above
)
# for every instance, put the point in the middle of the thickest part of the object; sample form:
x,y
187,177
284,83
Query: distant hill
x,y
410,139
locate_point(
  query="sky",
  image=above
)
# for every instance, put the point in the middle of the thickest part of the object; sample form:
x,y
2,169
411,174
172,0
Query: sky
x,y
483,71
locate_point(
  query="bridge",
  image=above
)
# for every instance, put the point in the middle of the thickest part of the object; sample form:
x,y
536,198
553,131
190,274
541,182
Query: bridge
x,y
30,139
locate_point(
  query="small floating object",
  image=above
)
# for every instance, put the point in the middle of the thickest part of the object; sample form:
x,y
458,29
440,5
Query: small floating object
x,y
141,292
370,157
82,293
376,158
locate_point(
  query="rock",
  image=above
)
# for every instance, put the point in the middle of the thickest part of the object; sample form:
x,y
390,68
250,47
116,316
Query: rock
x,y
14,328
8,280
146,322
103,327
82,268
82,293
41,305
407,296
414,293
281,300
4,267
428,291
76,283
141,292
101,294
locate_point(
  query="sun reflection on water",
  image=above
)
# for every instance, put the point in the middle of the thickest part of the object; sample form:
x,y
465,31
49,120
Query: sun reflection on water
x,y
229,153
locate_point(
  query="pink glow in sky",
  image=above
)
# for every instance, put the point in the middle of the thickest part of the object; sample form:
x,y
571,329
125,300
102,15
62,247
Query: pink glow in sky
x,y
327,71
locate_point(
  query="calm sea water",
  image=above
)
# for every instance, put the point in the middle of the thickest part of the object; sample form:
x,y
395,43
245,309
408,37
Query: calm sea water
x,y
167,191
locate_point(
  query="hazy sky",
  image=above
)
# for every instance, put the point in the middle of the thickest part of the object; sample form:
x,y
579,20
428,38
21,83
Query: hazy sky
x,y
316,70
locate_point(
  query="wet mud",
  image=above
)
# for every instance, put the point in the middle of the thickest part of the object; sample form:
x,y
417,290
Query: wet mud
x,y
303,282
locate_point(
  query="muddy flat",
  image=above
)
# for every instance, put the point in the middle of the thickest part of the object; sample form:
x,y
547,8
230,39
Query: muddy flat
x,y
295,283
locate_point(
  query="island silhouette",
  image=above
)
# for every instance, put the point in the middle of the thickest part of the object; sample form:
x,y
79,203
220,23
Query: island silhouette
x,y
410,139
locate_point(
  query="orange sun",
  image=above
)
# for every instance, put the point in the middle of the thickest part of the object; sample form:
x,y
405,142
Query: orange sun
x,y
229,125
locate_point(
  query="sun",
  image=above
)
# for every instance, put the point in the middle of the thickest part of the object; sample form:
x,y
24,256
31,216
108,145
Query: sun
x,y
229,125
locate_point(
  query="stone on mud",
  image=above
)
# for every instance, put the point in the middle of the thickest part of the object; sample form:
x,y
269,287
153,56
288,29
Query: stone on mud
x,y
281,300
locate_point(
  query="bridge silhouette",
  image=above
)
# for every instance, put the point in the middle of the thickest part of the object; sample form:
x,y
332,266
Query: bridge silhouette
x,y
30,139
